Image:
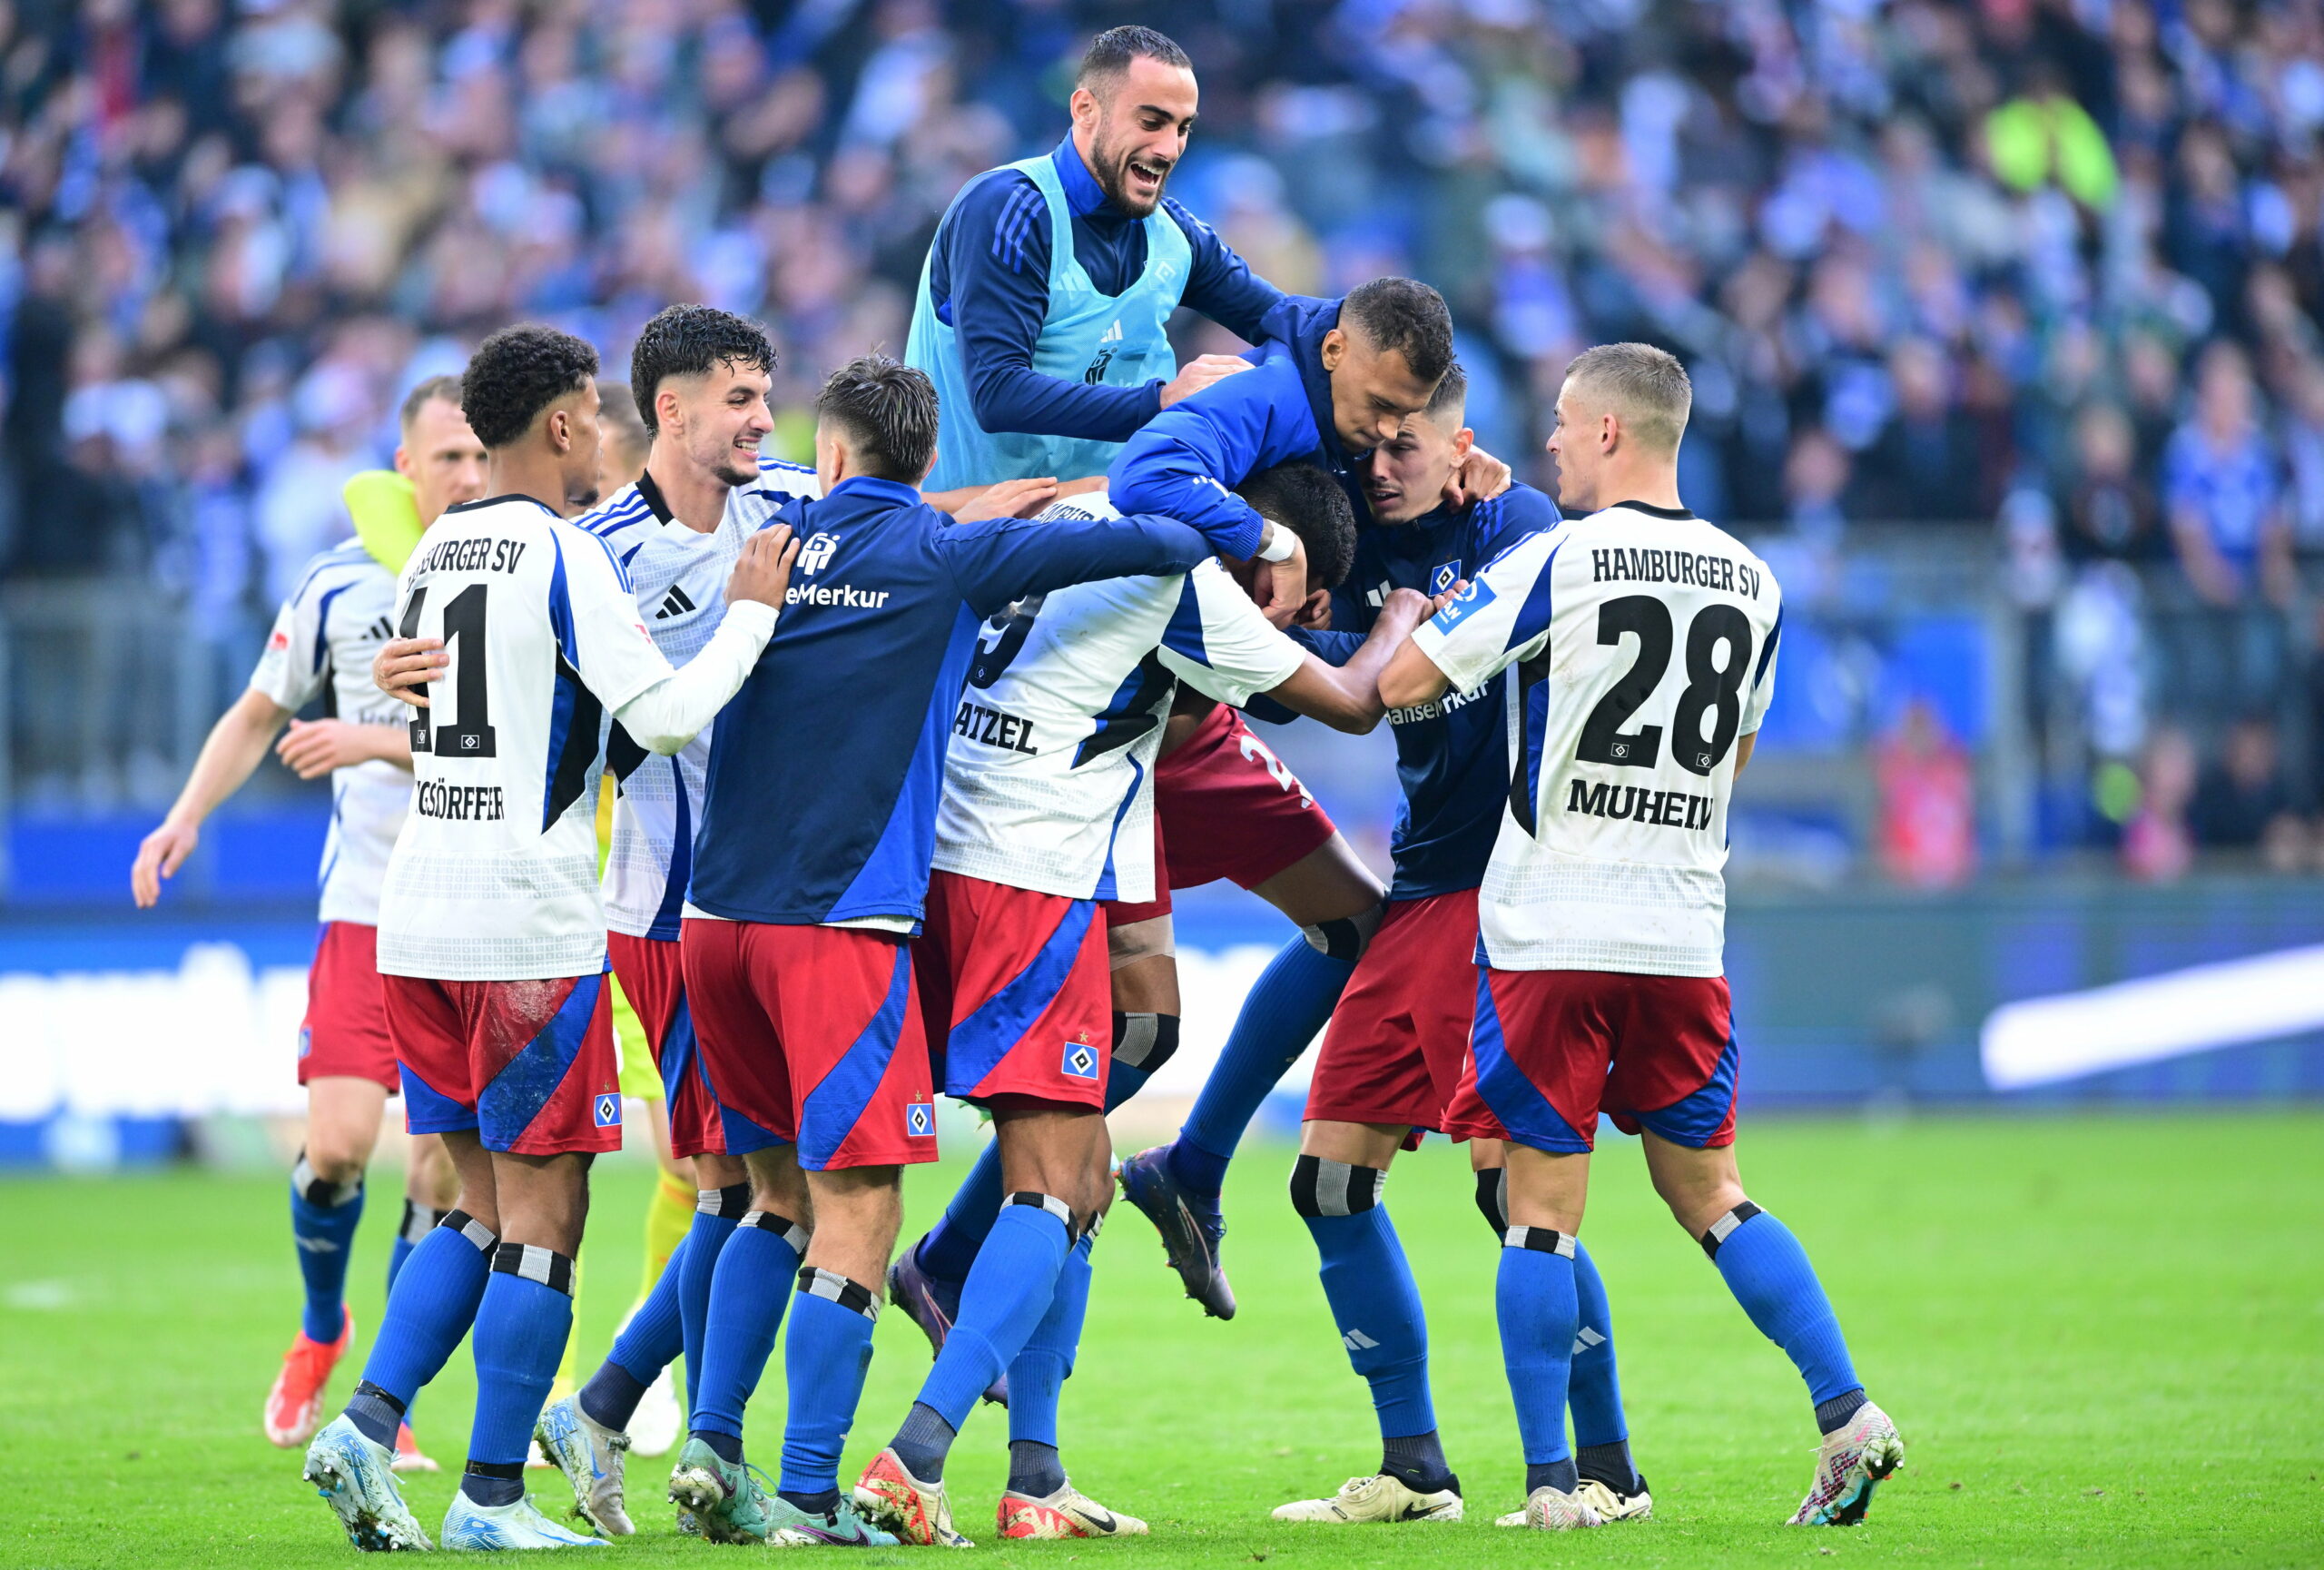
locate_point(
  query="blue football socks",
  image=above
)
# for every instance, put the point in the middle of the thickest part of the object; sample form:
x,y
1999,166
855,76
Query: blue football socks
x,y
1038,1375
433,1305
648,1344
757,1265
716,1213
1376,1305
419,1220
825,1358
521,1327
1291,1000
1535,1300
1594,1396
1007,1295
1768,1270
324,1217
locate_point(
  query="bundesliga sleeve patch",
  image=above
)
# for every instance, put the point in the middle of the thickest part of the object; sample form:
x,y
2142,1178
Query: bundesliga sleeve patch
x,y
608,1110
1080,1061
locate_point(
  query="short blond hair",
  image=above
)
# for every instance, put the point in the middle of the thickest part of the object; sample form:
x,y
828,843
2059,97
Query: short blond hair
x,y
1644,387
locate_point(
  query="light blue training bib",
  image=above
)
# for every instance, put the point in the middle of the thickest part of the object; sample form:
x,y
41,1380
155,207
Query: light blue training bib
x,y
1119,340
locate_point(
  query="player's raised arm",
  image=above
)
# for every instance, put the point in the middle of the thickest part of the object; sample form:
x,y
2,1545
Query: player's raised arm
x,y
669,713
1183,462
1349,696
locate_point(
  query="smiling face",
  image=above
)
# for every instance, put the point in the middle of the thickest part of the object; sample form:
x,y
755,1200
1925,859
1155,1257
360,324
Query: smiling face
x,y
717,419
1131,130
1373,390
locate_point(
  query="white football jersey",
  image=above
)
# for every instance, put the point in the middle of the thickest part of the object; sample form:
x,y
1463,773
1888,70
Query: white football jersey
x,y
494,875
1049,781
322,644
1645,642
679,578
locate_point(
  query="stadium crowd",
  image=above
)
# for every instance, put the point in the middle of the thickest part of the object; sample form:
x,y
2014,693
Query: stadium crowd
x,y
2048,268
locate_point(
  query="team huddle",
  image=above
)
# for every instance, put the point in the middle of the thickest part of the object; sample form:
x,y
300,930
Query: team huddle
x,y
909,750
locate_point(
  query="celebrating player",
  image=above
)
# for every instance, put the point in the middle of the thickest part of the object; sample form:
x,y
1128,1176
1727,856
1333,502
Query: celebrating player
x,y
492,937
701,377
1645,641
1046,808
809,872
321,645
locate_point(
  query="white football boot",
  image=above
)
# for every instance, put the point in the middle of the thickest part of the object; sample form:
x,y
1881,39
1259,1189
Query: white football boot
x,y
1853,1458
517,1525
1611,1505
1548,1510
1376,1498
589,1454
354,1474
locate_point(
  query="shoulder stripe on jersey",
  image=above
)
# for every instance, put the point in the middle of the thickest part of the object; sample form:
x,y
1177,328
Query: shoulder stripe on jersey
x,y
338,557
784,465
1767,649
1016,225
614,519
322,627
575,712
1184,635
1533,616
619,563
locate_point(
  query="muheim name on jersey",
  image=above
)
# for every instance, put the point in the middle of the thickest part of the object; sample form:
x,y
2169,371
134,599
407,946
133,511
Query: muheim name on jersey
x,y
1638,805
457,804
1685,569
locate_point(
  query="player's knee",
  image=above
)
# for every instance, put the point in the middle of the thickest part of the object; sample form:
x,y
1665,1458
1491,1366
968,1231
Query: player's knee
x,y
1345,938
1321,1188
328,1183
334,1158
1145,1041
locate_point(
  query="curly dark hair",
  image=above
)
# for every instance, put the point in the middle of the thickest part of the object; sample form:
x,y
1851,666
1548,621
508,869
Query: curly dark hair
x,y
1312,505
687,341
1407,316
517,373
889,409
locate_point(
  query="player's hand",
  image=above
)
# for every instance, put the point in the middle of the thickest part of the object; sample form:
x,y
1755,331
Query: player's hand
x,y
1281,589
1478,477
763,572
404,665
1010,499
1460,587
1200,372
1065,488
159,857
1406,608
1315,616
312,748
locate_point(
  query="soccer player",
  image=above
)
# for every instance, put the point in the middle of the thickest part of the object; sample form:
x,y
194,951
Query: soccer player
x,y
1046,797
1337,383
1644,640
701,377
492,935
1392,1054
321,647
809,874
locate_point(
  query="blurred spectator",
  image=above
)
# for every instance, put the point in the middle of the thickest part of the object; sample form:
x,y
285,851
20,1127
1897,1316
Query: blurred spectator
x,y
2242,792
1924,465
1927,835
2157,846
2225,493
2111,514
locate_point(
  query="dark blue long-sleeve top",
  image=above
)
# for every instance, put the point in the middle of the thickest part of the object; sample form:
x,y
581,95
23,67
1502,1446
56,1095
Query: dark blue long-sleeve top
x,y
989,279
826,767
1182,463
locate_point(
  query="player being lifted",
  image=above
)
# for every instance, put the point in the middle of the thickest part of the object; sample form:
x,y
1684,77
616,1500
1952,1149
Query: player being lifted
x,y
492,935
1392,1054
1644,642
1046,811
810,873
324,640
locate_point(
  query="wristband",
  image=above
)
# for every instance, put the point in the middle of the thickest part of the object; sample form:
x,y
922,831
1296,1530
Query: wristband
x,y
1278,544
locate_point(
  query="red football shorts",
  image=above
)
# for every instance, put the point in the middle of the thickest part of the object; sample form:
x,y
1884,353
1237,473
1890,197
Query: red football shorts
x,y
812,1036
528,1065
1017,993
1399,1039
1552,1048
1225,806
345,1033
651,978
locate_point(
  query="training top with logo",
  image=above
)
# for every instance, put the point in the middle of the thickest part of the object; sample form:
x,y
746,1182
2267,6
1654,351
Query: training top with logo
x,y
1451,754
1049,782
826,771
495,875
678,575
324,640
1644,640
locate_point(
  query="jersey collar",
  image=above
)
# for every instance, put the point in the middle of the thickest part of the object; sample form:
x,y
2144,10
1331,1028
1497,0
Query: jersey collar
x,y
1675,514
1083,195
873,489
496,500
650,495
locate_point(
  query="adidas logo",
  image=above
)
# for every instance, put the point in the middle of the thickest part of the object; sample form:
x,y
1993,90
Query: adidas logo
x,y
379,631
1113,334
1357,1341
1587,1340
316,1245
674,603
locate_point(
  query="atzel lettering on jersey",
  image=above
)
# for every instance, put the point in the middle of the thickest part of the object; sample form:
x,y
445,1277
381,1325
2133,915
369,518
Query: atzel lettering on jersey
x,y
321,645
1644,642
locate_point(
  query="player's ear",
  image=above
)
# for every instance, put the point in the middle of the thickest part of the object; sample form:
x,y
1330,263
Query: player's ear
x,y
1462,439
1334,349
1085,109
404,461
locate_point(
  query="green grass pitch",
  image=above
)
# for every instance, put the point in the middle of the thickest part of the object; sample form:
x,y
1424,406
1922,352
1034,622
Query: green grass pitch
x,y
2104,1338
